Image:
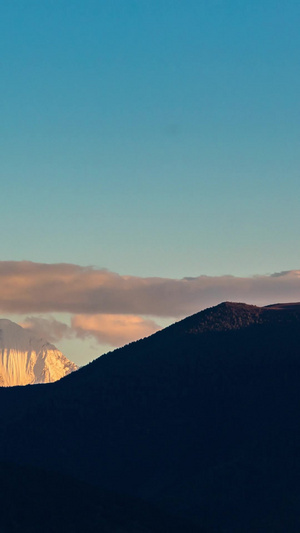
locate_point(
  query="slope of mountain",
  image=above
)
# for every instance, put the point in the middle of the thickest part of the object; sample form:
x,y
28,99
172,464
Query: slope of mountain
x,y
200,421
35,501
25,359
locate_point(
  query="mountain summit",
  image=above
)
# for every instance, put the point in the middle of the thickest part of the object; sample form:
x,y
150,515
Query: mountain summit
x,y
199,421
25,359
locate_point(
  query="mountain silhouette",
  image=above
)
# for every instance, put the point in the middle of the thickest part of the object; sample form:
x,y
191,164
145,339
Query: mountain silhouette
x,y
196,426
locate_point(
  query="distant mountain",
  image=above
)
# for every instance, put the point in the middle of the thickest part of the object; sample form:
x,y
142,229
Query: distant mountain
x,y
25,359
199,422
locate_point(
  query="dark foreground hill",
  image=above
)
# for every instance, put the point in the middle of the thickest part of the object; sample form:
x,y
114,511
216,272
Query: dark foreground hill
x,y
197,427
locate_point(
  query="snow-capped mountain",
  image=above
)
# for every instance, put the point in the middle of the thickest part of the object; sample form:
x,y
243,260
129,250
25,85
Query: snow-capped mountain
x,y
25,359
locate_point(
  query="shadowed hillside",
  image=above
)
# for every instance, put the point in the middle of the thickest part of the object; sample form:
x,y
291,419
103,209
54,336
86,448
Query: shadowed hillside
x,y
200,420
34,500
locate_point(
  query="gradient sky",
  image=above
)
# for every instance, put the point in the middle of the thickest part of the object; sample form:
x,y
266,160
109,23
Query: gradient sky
x,y
152,138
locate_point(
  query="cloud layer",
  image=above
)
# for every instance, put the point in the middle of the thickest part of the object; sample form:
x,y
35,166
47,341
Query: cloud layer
x,y
114,330
113,308
47,328
27,287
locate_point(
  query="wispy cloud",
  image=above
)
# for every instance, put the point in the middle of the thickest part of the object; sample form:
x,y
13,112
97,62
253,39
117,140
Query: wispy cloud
x,y
115,330
27,287
48,328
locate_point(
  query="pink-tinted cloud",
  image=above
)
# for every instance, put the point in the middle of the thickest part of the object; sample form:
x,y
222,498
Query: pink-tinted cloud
x,y
48,328
115,330
27,287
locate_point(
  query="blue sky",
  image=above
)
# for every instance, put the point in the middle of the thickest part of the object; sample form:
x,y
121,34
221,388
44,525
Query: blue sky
x,y
151,138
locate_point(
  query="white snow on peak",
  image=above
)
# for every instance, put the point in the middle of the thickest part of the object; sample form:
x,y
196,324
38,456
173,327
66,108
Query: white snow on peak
x,y
25,359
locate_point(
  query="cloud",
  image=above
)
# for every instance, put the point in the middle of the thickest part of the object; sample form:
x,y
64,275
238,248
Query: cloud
x,y
115,330
111,308
27,287
49,329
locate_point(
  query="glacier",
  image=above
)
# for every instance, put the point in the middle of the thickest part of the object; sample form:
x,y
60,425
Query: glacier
x,y
25,359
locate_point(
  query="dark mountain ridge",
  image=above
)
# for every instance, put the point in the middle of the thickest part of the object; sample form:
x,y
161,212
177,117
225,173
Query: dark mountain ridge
x,y
200,420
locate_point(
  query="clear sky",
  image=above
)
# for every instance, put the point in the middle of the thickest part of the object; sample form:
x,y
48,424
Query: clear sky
x,y
151,137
